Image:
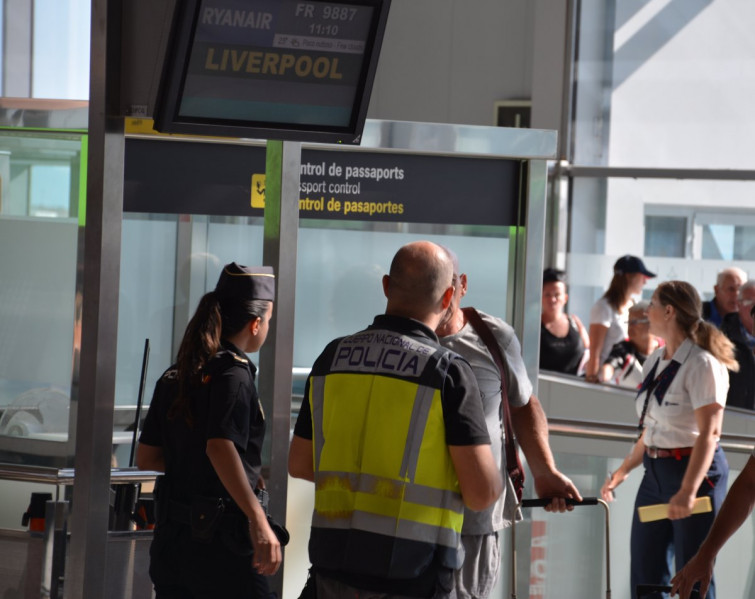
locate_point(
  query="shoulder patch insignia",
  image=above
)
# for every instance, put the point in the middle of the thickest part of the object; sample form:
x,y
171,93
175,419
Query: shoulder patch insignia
x,y
171,375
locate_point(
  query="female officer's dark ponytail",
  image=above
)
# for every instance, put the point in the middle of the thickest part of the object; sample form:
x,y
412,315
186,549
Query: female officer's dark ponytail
x,y
201,341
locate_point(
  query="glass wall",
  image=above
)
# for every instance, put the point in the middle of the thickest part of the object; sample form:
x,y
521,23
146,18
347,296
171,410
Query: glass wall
x,y
45,49
61,49
665,84
563,555
39,249
677,225
169,261
660,90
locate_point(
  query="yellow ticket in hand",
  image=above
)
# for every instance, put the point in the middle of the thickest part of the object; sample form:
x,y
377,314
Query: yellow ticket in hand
x,y
659,511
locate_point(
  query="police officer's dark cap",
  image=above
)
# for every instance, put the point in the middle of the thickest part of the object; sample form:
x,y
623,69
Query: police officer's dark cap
x,y
627,265
246,282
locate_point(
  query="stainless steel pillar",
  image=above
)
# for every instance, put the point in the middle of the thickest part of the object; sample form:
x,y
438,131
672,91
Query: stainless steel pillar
x,y
86,565
528,328
282,171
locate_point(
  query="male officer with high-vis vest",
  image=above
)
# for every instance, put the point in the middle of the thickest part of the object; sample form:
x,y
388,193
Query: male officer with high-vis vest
x,y
393,435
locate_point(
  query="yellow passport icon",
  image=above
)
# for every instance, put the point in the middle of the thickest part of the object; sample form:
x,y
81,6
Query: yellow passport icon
x,y
258,190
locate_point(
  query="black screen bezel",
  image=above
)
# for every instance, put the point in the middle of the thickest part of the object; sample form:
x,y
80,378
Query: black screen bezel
x,y
167,119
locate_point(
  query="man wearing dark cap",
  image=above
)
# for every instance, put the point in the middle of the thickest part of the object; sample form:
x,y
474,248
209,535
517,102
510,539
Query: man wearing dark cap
x,y
393,435
204,429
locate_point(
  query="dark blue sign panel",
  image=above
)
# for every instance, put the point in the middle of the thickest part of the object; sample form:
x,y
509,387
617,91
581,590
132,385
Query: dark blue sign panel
x,y
197,178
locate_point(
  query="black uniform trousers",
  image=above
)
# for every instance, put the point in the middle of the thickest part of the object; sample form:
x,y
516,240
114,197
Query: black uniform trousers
x,y
184,568
654,544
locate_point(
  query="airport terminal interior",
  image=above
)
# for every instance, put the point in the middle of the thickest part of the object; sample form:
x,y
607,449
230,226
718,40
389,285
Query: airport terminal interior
x,y
521,134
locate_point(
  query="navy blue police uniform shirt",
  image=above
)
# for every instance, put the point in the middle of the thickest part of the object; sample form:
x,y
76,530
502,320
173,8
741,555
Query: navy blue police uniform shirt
x,y
224,406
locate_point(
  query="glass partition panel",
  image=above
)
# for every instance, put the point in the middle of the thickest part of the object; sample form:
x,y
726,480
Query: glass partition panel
x,y
682,229
665,84
563,555
39,249
340,269
146,302
558,555
60,51
168,262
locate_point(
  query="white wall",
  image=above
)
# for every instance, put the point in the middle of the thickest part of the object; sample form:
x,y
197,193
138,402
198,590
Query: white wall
x,y
448,61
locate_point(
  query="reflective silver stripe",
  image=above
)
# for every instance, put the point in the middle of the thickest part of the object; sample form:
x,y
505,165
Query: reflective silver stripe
x,y
412,492
447,500
420,410
386,525
317,391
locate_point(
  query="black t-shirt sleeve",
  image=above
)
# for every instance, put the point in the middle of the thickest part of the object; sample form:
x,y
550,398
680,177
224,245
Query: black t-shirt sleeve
x,y
230,406
462,407
152,433
303,426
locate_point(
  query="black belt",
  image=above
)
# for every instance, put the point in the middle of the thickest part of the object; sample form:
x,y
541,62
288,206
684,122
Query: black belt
x,y
231,517
181,512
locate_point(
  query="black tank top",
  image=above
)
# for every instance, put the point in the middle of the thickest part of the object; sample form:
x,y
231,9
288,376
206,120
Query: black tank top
x,y
561,354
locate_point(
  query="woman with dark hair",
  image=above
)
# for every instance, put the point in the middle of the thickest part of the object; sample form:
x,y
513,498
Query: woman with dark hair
x,y
204,430
610,314
681,405
563,337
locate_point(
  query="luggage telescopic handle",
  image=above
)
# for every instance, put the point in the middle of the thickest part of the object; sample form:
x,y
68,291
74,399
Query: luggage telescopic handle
x,y
527,503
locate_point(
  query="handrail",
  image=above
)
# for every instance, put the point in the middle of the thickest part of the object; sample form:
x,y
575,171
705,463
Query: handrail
x,y
66,476
614,431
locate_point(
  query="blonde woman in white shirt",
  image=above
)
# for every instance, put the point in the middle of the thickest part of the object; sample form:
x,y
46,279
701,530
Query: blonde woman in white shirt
x,y
680,404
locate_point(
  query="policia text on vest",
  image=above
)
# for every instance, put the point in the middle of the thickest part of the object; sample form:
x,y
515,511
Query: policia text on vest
x,y
382,352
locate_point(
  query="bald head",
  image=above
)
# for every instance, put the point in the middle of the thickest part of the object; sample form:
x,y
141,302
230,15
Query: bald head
x,y
419,283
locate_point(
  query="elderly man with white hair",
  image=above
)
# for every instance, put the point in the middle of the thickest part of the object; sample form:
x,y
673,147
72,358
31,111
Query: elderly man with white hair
x,y
725,291
738,327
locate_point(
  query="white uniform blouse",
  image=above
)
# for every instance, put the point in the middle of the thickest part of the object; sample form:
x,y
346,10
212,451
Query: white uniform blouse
x,y
602,313
701,380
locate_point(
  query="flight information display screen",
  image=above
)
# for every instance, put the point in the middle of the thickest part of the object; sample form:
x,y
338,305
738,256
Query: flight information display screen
x,y
289,64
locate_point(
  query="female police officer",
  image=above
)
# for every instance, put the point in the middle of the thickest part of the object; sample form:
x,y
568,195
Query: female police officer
x,y
204,430
681,406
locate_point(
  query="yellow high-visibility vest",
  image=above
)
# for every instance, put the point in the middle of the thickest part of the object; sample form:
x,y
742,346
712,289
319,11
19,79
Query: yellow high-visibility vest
x,y
383,473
